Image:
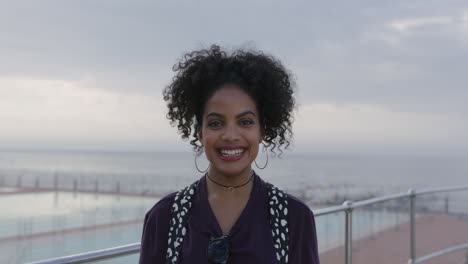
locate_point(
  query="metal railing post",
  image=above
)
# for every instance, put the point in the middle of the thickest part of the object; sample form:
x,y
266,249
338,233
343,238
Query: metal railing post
x,y
348,232
412,196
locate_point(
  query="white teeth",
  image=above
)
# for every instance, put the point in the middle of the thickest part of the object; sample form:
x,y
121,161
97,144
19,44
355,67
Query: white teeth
x,y
232,152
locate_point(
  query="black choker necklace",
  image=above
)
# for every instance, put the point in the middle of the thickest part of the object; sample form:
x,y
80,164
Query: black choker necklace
x,y
231,188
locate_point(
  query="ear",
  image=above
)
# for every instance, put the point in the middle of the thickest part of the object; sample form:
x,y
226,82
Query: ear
x,y
199,134
262,135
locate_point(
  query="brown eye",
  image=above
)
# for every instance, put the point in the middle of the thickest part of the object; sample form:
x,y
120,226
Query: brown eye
x,y
246,122
214,124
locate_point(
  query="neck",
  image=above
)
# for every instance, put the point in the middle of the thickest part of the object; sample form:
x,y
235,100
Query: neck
x,y
214,182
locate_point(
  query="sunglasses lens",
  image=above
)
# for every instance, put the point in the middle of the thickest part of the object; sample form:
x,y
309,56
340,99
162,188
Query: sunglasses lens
x,y
218,250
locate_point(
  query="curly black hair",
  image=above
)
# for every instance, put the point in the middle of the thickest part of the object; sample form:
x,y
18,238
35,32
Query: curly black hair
x,y
200,73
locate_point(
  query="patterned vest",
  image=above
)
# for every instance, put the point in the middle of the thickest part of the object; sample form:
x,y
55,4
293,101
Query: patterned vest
x,y
278,207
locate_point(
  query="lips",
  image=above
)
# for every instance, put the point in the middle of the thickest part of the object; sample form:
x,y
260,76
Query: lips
x,y
231,153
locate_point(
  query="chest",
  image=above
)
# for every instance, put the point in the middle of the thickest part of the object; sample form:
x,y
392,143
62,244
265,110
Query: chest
x,y
227,211
250,236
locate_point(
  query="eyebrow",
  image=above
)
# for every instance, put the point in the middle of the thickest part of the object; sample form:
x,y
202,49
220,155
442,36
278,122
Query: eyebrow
x,y
237,116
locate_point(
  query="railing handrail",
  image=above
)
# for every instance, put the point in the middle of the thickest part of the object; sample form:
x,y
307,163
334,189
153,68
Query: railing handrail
x,y
341,208
442,189
439,253
94,255
347,206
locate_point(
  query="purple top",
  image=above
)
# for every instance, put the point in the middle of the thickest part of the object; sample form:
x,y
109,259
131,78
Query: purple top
x,y
250,238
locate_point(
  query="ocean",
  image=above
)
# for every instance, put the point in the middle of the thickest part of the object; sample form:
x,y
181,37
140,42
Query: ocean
x,y
317,178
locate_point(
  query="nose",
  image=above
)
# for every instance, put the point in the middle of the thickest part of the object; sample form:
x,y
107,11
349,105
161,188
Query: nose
x,y
230,133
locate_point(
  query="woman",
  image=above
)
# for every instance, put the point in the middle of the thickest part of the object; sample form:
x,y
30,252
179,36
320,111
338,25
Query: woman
x,y
230,104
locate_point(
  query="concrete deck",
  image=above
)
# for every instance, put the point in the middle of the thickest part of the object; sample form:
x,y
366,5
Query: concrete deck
x,y
391,246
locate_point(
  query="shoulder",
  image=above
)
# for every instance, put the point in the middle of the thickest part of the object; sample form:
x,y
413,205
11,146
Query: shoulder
x,y
162,209
298,207
164,206
295,205
155,231
166,201
302,233
300,214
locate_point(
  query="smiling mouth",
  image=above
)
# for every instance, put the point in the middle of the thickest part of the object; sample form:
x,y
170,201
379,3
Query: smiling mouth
x,y
231,153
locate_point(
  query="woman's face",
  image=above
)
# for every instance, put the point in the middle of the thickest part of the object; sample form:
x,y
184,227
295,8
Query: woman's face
x,y
231,131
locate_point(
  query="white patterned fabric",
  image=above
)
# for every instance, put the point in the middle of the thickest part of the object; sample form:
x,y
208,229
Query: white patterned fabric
x,y
178,225
278,207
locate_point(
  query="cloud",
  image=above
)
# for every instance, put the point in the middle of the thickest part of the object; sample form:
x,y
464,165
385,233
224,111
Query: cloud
x,y
61,110
419,70
463,22
325,124
464,17
405,25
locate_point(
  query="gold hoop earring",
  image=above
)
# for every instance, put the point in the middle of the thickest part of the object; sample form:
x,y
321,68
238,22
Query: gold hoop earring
x,y
266,163
198,153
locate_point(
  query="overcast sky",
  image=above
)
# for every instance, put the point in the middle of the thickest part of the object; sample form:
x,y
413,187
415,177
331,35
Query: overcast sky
x,y
379,76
